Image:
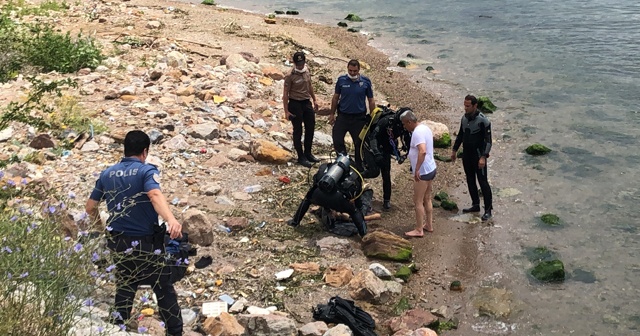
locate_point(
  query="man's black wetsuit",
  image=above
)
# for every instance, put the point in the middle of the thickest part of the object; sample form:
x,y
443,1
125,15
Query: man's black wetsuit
x,y
475,137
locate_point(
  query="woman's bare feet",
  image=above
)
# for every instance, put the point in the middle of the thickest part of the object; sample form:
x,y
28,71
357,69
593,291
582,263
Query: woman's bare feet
x,y
425,228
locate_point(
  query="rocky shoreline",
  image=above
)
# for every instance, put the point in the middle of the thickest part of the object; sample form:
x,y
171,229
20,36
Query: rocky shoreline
x,y
206,84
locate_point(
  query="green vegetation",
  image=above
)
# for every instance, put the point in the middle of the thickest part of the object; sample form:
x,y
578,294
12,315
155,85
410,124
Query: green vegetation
x,y
209,2
45,278
342,24
46,109
26,46
20,8
403,64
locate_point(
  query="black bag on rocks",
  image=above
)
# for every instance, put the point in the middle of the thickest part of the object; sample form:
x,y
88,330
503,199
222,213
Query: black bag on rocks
x,y
339,310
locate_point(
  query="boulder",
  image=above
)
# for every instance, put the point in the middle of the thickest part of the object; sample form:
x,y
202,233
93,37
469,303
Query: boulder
x,y
268,325
306,268
246,55
176,60
42,141
367,286
338,276
234,154
386,245
223,325
494,302
272,72
380,271
317,328
339,330
237,61
237,223
441,135
411,320
265,151
177,143
207,131
217,161
198,226
424,332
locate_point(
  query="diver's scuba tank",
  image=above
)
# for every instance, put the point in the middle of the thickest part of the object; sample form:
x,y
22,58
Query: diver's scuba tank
x,y
333,175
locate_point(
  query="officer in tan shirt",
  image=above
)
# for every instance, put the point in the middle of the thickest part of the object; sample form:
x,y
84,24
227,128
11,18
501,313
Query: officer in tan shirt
x,y
297,97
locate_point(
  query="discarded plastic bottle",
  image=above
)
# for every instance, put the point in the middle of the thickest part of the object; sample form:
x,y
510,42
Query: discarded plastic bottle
x,y
253,188
223,228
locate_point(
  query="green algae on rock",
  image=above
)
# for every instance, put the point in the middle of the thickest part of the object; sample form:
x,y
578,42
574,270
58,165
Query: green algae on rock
x,y
342,24
537,149
404,273
549,271
441,196
383,244
540,253
550,219
455,286
402,306
487,105
403,64
443,142
449,205
353,18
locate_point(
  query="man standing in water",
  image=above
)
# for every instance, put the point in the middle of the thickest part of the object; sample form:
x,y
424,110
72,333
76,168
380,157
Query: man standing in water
x,y
350,103
475,136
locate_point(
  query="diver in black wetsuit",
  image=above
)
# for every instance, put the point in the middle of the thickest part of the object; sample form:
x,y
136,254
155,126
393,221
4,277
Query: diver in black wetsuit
x,y
475,136
381,144
336,187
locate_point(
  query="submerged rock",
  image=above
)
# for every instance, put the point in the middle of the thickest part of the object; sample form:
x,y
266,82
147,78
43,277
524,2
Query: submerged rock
x,y
550,219
353,18
549,271
537,149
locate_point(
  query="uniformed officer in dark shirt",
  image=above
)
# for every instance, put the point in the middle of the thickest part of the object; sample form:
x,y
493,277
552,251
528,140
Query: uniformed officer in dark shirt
x,y
349,100
475,137
131,190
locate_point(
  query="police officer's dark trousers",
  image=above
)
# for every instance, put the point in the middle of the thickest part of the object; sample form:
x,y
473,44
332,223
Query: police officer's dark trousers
x,y
472,172
353,124
141,261
303,114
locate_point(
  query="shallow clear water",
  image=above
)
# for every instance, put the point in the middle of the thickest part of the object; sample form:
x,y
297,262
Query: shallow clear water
x,y
565,74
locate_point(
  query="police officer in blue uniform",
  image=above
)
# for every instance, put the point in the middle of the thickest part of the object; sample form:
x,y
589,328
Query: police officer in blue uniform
x,y
131,191
475,137
349,100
